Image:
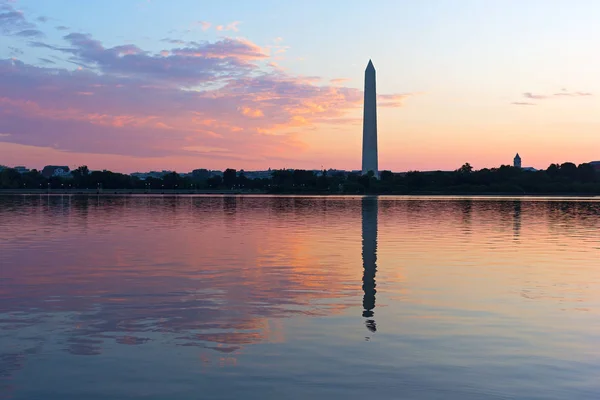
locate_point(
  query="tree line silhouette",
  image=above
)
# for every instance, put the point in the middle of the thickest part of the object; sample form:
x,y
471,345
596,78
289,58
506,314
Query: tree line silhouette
x,y
556,179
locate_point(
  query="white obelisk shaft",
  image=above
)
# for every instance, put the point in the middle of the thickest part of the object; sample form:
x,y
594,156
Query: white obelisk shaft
x,y
369,151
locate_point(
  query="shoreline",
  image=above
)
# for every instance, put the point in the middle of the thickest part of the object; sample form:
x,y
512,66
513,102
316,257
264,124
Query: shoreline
x,y
174,192
112,192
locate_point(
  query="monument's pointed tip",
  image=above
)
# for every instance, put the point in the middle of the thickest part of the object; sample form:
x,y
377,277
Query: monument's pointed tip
x,y
370,64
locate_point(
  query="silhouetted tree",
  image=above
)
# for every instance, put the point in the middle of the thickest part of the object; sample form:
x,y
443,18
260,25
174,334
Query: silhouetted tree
x,y
322,183
365,180
283,179
229,177
553,170
568,170
242,180
386,176
303,178
10,178
415,179
466,169
214,181
586,173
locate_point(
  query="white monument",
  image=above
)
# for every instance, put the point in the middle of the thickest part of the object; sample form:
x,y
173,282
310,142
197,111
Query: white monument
x,y
369,150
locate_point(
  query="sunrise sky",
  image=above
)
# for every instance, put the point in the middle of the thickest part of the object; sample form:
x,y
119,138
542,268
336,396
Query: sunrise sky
x,y
135,85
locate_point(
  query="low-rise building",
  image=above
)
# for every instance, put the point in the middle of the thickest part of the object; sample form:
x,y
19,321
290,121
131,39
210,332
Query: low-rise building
x,y
56,171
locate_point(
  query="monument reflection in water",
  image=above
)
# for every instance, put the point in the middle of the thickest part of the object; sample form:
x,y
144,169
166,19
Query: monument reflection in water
x,y
369,258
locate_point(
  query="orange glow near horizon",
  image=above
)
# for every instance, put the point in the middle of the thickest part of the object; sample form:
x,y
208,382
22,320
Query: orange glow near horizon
x,y
406,142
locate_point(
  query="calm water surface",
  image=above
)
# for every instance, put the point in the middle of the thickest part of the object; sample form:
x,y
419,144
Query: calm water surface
x,y
299,298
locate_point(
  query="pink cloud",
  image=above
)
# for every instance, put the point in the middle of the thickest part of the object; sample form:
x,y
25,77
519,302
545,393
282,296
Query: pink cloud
x,y
233,26
32,109
183,102
240,49
251,112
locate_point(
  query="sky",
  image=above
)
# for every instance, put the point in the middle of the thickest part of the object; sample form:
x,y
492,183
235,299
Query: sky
x,y
138,85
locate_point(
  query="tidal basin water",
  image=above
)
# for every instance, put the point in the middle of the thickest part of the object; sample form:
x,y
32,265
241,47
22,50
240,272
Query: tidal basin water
x,y
192,297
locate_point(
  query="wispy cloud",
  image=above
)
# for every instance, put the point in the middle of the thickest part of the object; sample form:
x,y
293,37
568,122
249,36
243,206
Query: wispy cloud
x,y
194,64
233,26
42,19
31,33
338,81
12,21
15,51
562,93
529,95
173,41
62,28
393,100
565,92
279,49
204,25
46,61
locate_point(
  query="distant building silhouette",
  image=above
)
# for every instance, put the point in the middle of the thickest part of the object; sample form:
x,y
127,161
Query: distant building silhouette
x,y
517,161
369,150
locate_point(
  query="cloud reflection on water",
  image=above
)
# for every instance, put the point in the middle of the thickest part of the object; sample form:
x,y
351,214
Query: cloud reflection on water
x,y
218,274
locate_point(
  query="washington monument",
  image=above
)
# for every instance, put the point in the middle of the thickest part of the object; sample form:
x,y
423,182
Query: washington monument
x,y
369,150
